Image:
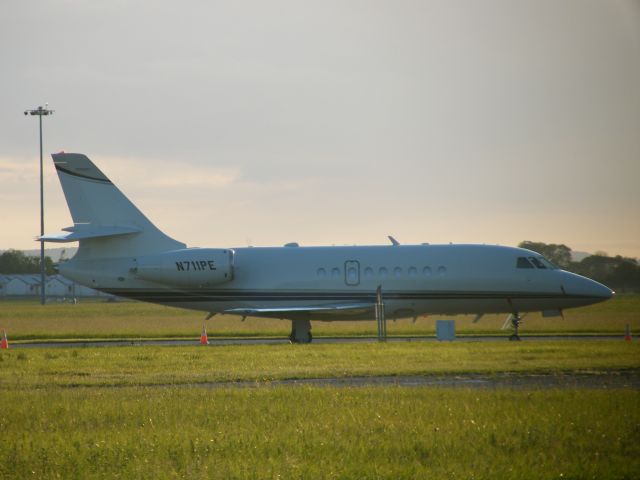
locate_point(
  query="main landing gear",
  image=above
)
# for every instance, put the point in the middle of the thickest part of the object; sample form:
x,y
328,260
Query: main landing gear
x,y
300,331
516,319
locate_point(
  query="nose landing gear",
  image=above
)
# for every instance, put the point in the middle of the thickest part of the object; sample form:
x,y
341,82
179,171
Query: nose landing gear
x,y
516,319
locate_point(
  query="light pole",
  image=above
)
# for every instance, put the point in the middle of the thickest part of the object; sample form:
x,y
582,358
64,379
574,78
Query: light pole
x,y
40,112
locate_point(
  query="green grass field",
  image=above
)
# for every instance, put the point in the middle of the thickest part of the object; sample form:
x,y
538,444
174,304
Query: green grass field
x,y
146,412
28,320
188,365
308,432
156,412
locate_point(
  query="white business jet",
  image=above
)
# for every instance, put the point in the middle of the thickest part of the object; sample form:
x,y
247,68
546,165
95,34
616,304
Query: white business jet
x,y
121,252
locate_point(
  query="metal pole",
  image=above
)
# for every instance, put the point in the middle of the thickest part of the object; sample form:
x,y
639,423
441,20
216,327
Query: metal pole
x,y
380,318
40,112
42,292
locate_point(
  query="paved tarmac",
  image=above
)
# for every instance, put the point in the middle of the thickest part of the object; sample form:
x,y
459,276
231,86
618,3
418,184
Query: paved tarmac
x,y
600,381
280,341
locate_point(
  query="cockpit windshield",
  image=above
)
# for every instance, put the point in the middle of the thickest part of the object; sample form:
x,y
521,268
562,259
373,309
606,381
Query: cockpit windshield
x,y
549,264
535,262
523,262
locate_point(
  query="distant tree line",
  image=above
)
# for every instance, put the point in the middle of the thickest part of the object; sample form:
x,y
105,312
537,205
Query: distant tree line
x,y
620,273
16,262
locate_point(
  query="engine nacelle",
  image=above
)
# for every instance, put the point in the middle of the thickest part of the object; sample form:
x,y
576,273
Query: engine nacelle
x,y
191,267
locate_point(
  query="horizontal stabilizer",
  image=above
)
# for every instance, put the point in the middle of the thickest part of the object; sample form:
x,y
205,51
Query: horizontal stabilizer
x,y
84,231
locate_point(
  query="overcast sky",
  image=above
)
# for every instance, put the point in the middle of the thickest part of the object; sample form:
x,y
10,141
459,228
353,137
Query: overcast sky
x,y
332,122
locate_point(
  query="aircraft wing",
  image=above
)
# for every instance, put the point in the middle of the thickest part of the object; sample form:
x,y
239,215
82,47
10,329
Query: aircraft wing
x,y
328,310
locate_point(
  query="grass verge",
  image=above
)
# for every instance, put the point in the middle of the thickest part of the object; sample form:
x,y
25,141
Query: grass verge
x,y
148,365
309,432
178,430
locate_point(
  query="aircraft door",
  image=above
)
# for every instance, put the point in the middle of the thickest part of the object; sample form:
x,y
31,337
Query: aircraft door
x,y
352,272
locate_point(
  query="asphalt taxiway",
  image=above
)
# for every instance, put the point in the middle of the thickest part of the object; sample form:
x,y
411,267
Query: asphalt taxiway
x,y
281,341
629,379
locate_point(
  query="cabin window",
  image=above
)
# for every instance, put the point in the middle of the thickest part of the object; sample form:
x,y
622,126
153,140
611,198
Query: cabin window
x,y
335,272
397,272
382,271
442,270
537,262
368,272
426,271
322,272
413,271
523,263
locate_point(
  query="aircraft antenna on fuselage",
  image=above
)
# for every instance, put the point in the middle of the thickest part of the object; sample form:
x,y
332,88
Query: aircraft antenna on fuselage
x,y
394,242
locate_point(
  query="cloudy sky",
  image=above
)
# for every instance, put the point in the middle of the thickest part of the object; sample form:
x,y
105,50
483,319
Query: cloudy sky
x,y
234,123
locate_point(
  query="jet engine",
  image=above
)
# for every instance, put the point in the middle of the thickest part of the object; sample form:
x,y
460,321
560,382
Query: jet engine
x,y
190,267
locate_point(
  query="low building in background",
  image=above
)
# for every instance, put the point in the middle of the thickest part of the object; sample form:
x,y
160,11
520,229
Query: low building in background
x,y
4,279
57,287
22,286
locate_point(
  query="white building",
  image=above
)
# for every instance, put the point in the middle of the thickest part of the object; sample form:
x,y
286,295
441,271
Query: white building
x,y
4,279
56,286
22,285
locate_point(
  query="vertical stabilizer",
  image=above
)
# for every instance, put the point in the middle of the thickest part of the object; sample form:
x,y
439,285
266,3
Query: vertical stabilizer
x,y
106,223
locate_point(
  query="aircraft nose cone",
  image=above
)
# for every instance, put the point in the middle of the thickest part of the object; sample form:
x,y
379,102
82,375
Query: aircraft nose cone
x,y
601,291
578,285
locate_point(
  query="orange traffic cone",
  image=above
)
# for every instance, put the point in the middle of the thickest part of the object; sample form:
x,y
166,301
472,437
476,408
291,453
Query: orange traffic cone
x,y
4,343
203,336
627,333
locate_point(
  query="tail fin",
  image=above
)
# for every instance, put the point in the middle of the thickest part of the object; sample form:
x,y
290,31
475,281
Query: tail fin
x,y
106,223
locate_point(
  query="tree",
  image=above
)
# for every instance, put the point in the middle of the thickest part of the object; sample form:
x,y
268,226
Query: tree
x,y
617,272
15,261
620,273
